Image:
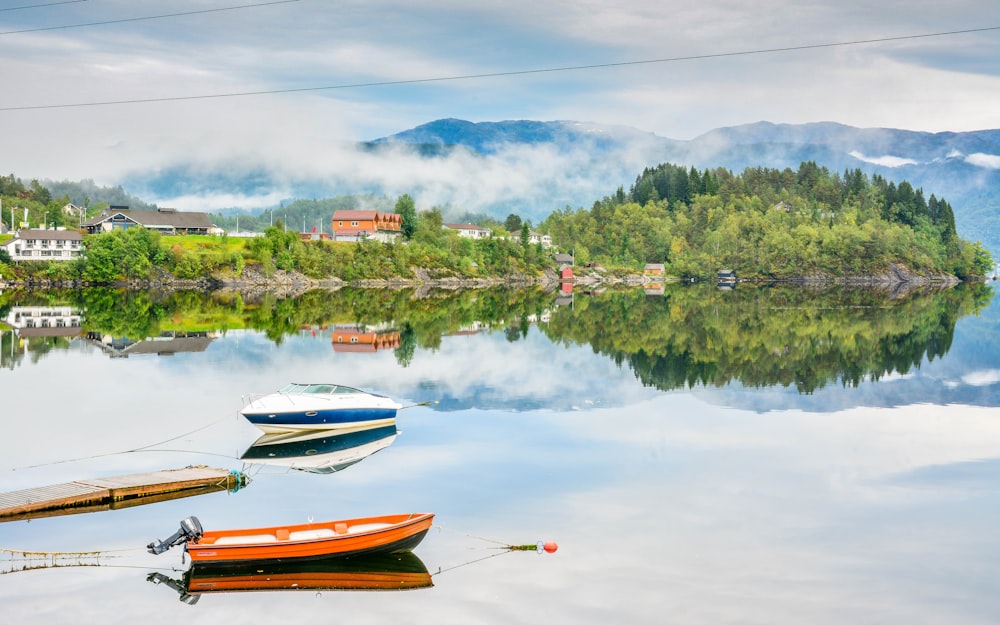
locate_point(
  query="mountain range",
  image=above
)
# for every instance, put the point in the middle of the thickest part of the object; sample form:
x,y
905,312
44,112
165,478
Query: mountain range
x,y
534,167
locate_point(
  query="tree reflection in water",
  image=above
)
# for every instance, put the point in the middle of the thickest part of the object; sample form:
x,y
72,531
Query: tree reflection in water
x,y
686,336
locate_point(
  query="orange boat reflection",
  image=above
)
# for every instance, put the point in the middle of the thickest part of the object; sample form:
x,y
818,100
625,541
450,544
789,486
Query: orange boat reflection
x,y
397,571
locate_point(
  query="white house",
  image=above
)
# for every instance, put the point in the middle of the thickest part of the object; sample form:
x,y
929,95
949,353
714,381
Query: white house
x,y
30,245
536,237
74,211
470,231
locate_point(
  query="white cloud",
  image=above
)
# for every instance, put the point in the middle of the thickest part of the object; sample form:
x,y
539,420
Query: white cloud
x,y
987,161
885,161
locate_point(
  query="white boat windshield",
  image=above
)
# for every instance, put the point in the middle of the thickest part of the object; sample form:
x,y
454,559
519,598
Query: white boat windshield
x,y
318,389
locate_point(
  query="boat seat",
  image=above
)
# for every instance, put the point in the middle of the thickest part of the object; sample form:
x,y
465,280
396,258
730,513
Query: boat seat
x,y
323,532
246,539
367,527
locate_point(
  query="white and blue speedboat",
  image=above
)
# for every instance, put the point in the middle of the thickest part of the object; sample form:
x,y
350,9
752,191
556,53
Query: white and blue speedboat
x,y
319,407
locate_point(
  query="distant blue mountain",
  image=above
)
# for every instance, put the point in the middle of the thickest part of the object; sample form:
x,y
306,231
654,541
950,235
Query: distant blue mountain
x,y
491,137
961,167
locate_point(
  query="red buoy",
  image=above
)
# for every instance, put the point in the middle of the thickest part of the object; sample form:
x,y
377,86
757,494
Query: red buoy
x,y
550,546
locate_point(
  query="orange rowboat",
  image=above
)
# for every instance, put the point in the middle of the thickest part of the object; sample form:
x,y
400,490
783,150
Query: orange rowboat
x,y
349,537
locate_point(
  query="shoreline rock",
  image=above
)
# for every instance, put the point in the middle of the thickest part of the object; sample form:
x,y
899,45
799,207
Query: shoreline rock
x,y
897,279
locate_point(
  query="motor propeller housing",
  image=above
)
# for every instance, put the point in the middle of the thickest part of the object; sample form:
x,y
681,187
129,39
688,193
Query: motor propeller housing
x,y
190,530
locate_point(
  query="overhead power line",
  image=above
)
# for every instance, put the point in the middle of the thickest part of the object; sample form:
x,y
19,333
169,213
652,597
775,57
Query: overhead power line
x,y
36,6
141,19
570,68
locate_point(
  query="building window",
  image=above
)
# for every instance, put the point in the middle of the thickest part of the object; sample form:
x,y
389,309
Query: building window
x,y
354,224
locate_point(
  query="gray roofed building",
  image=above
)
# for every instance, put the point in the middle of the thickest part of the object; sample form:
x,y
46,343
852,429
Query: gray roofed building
x,y
163,220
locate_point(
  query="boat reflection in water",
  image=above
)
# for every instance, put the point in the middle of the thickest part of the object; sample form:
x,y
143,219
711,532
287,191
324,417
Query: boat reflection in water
x,y
393,571
320,451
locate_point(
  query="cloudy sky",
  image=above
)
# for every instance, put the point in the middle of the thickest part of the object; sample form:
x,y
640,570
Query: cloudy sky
x,y
325,74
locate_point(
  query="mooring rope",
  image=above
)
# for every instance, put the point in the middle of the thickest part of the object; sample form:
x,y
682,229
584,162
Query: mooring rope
x,y
458,566
127,451
423,403
461,533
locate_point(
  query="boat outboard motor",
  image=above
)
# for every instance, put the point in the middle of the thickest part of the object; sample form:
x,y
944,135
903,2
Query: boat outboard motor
x,y
190,530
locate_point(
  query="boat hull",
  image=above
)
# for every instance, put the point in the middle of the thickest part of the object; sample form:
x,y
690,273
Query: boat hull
x,y
348,538
335,419
319,407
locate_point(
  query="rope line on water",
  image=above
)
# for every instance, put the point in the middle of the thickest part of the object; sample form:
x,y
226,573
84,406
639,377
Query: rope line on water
x,y
461,533
423,403
458,566
127,451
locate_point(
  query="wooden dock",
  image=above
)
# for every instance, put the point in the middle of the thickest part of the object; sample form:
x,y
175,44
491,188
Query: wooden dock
x,y
121,491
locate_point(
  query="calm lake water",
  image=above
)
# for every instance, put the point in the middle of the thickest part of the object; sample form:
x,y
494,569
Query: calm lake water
x,y
700,456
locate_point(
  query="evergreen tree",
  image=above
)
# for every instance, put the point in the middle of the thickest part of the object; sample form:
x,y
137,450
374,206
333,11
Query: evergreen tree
x,y
512,223
406,207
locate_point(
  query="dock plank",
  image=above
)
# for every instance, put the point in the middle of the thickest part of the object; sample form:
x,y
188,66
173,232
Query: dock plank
x,y
105,492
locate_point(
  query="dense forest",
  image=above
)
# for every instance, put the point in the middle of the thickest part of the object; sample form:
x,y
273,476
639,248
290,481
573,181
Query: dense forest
x,y
768,223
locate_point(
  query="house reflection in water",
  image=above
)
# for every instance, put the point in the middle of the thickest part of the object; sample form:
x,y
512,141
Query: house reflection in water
x,y
44,321
37,329
166,344
363,339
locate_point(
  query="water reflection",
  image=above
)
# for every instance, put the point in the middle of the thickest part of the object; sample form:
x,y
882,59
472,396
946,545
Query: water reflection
x,y
761,337
166,344
39,326
678,336
825,500
362,339
397,571
320,451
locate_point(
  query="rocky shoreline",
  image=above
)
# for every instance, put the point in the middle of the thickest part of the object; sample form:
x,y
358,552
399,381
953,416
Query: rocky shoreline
x,y
897,279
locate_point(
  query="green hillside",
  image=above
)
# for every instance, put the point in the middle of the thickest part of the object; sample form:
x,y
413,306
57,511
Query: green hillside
x,y
769,223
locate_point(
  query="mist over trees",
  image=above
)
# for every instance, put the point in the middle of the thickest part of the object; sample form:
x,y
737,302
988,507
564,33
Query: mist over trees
x,y
301,215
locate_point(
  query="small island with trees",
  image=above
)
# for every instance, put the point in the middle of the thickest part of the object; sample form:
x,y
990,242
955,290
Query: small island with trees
x,y
765,224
